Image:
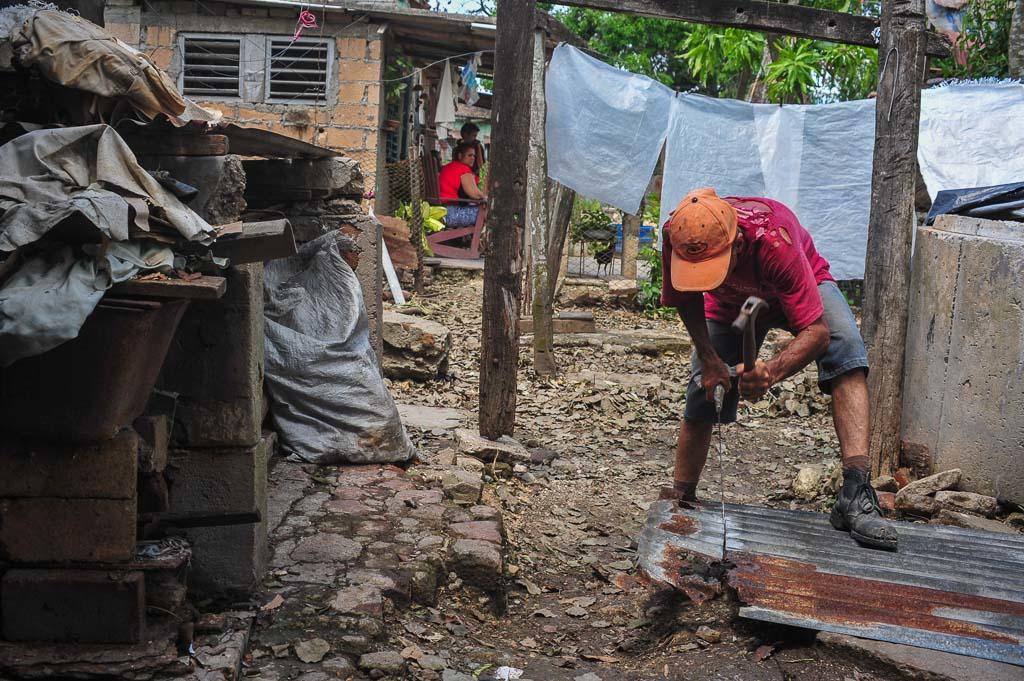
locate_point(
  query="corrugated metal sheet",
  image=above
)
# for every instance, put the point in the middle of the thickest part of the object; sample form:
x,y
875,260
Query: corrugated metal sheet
x,y
946,588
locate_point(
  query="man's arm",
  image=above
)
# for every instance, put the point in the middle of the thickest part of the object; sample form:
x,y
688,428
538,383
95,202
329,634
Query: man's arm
x,y
713,370
810,343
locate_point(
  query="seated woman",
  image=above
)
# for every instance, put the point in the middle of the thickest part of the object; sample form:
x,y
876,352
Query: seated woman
x,y
457,181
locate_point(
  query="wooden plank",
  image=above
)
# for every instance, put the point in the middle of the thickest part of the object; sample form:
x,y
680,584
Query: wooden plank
x,y
892,222
541,302
203,288
757,15
563,323
148,144
510,141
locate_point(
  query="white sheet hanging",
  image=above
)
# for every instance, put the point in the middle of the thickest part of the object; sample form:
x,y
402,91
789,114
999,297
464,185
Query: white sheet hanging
x,y
605,128
972,135
816,159
446,97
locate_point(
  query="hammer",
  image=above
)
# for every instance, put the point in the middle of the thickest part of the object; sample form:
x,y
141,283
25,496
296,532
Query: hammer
x,y
745,324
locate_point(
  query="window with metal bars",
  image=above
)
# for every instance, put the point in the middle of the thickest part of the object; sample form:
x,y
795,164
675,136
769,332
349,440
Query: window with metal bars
x,y
298,70
210,65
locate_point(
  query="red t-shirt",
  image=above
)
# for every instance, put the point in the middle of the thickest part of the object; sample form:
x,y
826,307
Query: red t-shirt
x,y
777,262
449,180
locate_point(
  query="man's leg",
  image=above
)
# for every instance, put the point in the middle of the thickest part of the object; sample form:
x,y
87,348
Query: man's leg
x,y
842,371
851,416
691,455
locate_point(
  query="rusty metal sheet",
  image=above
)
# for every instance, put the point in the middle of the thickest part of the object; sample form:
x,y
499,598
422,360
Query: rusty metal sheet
x,y
946,588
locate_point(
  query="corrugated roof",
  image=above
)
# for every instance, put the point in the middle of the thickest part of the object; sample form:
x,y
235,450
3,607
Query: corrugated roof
x,y
946,588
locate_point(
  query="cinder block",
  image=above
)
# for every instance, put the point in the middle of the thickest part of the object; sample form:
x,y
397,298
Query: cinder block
x,y
30,468
67,530
73,606
153,442
215,364
217,480
232,558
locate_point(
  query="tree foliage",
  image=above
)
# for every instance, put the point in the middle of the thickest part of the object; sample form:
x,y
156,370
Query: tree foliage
x,y
985,41
730,62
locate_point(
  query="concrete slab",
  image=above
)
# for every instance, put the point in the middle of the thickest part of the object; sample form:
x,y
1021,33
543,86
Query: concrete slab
x,y
455,264
432,418
921,663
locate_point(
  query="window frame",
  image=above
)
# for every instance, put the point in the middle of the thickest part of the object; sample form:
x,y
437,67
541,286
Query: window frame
x,y
240,39
329,62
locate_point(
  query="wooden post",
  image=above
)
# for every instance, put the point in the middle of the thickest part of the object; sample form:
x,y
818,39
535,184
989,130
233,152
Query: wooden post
x,y
901,60
631,242
510,141
416,223
542,305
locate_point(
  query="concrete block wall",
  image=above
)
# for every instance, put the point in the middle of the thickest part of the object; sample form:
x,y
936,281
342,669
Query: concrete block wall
x,y
218,463
348,122
965,352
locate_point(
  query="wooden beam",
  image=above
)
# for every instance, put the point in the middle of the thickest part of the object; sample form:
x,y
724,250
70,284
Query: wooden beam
x,y
891,226
202,288
542,305
499,357
757,15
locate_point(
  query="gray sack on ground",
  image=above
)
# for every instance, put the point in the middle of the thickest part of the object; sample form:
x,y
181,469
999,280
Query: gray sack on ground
x,y
327,396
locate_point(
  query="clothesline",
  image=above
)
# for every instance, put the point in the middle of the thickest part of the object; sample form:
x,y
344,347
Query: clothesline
x,y
606,129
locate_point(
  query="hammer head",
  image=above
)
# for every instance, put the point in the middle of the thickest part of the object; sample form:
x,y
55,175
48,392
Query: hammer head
x,y
747,318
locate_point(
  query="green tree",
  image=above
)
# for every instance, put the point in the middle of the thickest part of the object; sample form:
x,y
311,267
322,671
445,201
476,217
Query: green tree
x,y
730,62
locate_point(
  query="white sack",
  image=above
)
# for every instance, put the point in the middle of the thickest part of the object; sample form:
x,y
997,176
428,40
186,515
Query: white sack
x,y
605,128
972,135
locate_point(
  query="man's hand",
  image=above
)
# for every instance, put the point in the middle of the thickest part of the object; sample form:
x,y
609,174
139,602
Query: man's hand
x,y
755,383
714,372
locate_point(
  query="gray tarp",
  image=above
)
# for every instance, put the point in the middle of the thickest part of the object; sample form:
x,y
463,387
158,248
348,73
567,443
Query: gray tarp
x,y
46,301
47,175
327,397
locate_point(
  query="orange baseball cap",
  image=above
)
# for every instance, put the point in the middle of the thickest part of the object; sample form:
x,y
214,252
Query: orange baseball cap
x,y
701,232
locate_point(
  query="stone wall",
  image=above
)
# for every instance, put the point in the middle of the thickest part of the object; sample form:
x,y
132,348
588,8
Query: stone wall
x,y
965,353
348,122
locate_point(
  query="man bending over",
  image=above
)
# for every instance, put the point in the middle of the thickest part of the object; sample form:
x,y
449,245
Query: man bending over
x,y
717,252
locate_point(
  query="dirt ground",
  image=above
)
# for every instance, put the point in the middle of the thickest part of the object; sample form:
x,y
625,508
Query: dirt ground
x,y
602,447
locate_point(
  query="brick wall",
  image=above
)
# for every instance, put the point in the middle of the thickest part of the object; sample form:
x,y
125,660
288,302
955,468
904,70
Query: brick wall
x,y
349,122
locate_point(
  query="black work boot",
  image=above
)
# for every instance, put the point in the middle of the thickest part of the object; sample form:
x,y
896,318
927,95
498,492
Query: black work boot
x,y
856,511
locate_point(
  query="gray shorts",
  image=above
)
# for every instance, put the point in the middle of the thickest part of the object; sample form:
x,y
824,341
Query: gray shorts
x,y
845,353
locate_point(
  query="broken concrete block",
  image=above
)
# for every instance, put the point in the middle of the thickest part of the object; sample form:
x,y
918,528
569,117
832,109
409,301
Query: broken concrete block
x,y
916,504
885,483
504,449
47,530
32,468
967,502
933,483
154,438
462,486
73,606
270,180
478,563
414,347
215,365
947,517
220,180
